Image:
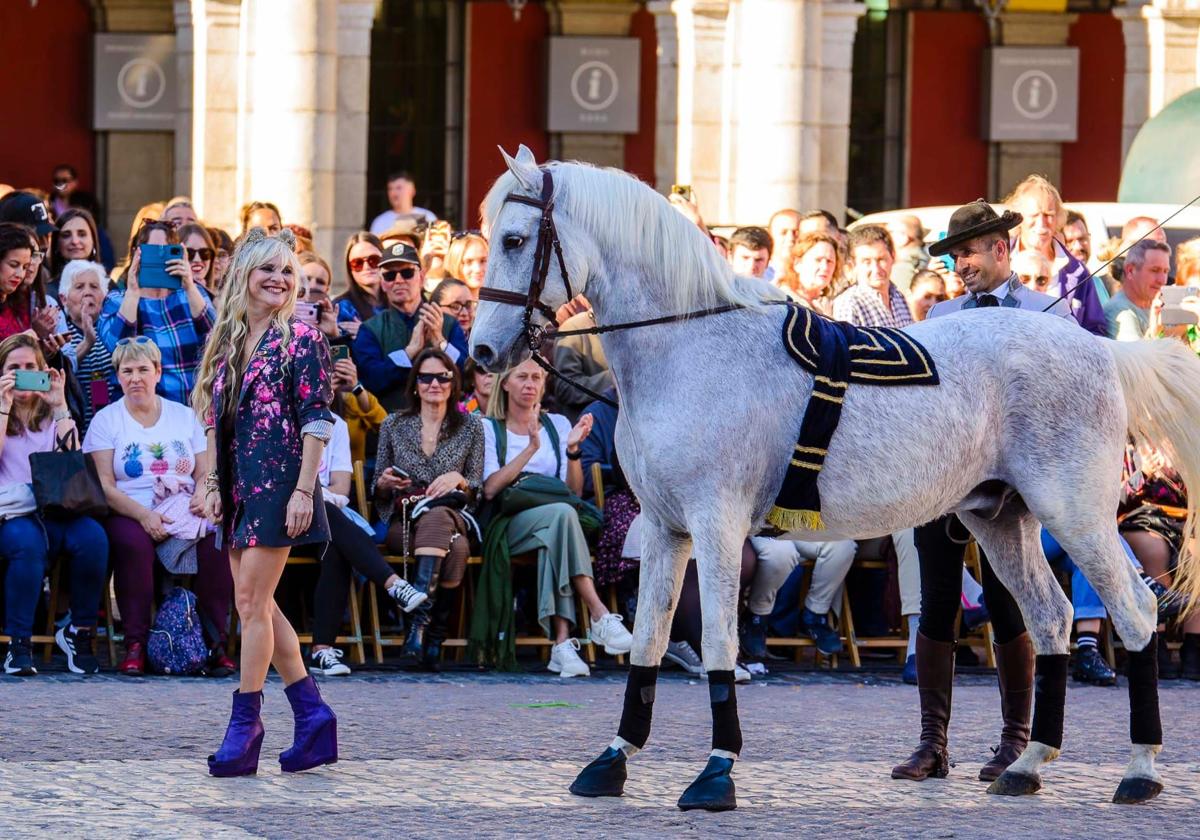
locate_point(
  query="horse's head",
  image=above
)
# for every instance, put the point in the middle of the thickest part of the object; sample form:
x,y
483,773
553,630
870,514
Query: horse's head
x,y
514,222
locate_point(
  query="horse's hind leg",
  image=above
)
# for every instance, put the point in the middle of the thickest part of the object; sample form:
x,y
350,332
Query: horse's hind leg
x,y
1013,546
1098,552
664,556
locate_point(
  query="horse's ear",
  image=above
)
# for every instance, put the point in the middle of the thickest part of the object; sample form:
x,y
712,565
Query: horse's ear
x,y
524,168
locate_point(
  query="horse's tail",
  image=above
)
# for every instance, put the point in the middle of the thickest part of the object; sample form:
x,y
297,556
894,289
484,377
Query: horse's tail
x,y
1161,382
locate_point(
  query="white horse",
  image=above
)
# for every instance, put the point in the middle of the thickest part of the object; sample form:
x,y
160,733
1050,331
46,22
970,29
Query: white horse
x,y
1027,426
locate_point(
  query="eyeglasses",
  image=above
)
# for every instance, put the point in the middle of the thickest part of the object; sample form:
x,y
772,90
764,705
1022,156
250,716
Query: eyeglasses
x,y
205,254
406,273
37,256
357,263
135,339
429,378
459,305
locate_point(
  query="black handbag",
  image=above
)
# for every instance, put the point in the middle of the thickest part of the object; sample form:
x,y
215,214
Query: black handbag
x,y
65,482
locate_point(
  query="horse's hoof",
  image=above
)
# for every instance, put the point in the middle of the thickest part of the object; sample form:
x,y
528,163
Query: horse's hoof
x,y
1137,789
603,777
713,789
1015,784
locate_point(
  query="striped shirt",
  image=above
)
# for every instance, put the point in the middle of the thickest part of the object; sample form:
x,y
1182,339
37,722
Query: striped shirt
x,y
168,322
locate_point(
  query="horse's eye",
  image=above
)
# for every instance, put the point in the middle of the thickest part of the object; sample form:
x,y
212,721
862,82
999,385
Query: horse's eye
x,y
512,242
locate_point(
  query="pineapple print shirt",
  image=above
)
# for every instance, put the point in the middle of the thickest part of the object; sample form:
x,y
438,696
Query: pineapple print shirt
x,y
143,457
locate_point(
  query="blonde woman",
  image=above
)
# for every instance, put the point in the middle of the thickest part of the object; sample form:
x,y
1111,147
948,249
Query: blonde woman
x,y
466,259
263,394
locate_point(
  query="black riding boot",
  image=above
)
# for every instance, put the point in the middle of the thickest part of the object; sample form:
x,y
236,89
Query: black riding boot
x,y
413,653
435,633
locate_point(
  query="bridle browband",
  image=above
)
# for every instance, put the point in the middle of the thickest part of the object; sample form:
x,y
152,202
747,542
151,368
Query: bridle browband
x,y
549,246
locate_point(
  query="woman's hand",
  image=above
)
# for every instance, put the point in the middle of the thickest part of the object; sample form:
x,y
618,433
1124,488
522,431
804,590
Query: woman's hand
x,y
45,320
351,328
53,344
580,432
196,502
443,484
56,397
212,507
6,392
392,482
155,524
535,431
299,513
571,308
327,318
180,269
345,376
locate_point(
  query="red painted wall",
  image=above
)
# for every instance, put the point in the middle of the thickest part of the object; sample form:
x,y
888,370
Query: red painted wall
x,y
506,91
46,64
639,148
947,160
1091,166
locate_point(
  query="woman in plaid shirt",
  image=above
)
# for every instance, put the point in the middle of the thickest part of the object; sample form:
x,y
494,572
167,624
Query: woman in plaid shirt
x,y
178,321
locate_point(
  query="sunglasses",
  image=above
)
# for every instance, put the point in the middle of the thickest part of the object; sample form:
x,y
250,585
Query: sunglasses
x,y
406,273
459,234
357,263
135,339
205,254
429,378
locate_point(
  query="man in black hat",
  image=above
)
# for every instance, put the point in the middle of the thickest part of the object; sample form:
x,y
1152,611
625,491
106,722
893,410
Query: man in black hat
x,y
387,344
978,241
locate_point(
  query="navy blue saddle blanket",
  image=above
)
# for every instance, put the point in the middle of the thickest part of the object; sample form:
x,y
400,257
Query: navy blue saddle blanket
x,y
836,354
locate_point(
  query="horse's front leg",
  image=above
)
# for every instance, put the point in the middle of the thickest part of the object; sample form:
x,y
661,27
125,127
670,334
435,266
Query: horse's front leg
x,y
718,562
664,557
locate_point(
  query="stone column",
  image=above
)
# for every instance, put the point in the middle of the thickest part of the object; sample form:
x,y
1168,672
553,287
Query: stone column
x,y
839,25
206,148
134,167
1162,42
597,18
1012,161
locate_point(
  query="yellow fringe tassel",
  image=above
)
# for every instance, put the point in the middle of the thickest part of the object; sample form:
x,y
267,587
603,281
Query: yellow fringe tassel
x,y
796,520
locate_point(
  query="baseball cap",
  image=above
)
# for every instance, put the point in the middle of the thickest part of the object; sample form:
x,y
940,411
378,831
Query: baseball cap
x,y
29,210
400,253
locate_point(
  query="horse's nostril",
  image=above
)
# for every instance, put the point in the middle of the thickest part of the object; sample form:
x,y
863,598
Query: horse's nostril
x,y
484,355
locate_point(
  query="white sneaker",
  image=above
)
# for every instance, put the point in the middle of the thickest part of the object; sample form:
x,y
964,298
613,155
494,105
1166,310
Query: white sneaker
x,y
741,675
610,632
565,661
407,595
328,662
685,656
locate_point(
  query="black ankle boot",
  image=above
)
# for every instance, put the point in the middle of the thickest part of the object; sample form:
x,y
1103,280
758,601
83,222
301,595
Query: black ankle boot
x,y
413,653
435,633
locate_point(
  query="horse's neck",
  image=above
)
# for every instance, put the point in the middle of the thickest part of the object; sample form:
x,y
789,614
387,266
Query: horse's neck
x,y
620,295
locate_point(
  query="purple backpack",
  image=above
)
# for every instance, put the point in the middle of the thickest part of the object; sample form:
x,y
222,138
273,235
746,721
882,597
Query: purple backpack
x,y
176,643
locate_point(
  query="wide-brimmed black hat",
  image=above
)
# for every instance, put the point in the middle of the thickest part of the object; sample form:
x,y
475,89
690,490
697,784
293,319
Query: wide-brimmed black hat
x,y
972,220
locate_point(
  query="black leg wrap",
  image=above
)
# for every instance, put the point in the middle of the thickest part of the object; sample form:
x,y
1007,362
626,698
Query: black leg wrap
x,y
1049,699
639,705
727,729
1145,724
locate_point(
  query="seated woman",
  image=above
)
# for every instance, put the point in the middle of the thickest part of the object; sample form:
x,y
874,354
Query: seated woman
x,y
364,297
1153,512
466,259
553,530
82,288
477,388
429,449
178,320
148,449
456,298
32,419
808,279
350,548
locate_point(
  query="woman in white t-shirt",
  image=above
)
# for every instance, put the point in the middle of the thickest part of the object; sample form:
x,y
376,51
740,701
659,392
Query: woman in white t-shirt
x,y
351,547
147,448
552,531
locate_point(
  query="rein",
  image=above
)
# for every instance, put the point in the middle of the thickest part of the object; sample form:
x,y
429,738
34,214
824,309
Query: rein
x,y
547,246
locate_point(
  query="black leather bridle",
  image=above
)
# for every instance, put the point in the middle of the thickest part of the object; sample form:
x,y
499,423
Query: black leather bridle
x,y
549,247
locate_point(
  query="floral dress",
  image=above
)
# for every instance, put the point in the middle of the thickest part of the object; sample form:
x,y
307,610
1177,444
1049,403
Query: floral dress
x,y
285,394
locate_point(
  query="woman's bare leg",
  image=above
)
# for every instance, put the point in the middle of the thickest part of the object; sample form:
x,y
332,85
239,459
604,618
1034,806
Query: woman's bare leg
x,y
256,573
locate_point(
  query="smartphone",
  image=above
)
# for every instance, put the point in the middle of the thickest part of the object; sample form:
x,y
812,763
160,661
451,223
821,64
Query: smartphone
x,y
398,471
307,312
339,352
1173,315
153,271
31,380
683,191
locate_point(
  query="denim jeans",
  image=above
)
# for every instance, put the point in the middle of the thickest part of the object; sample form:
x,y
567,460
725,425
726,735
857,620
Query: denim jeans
x,y
27,544
1084,599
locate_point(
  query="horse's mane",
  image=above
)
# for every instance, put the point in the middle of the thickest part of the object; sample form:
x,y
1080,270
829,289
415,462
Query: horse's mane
x,y
625,216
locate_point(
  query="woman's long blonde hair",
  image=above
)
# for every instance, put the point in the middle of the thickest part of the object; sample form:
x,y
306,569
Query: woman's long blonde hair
x,y
227,341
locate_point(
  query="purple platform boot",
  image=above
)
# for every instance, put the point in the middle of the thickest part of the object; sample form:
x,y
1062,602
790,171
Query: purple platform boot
x,y
316,729
238,755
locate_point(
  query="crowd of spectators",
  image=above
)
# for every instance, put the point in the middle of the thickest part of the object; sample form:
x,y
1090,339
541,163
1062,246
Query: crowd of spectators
x,y
440,440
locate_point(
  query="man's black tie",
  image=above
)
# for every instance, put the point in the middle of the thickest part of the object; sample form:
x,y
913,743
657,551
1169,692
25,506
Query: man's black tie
x,y
987,300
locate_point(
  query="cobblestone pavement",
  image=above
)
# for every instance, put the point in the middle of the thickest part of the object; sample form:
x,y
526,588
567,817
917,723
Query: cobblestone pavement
x,y
490,755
